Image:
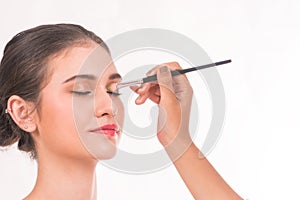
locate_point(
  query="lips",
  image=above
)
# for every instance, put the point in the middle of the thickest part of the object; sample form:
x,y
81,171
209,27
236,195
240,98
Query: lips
x,y
108,129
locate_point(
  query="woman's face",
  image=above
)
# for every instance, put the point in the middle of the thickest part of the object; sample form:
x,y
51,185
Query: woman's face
x,y
80,114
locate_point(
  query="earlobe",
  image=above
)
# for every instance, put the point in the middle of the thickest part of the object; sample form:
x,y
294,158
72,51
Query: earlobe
x,y
21,112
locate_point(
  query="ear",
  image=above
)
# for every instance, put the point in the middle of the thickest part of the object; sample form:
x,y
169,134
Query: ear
x,y
22,113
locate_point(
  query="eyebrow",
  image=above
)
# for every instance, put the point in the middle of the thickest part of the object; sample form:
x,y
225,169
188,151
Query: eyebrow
x,y
115,76
92,77
81,76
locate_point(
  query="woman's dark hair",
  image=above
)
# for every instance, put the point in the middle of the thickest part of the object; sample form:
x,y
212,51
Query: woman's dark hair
x,y
23,71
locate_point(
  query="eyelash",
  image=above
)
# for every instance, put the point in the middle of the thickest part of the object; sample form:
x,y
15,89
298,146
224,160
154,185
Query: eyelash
x,y
113,93
81,93
88,92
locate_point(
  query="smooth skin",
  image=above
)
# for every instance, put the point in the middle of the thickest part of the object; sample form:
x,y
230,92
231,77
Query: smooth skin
x,y
173,96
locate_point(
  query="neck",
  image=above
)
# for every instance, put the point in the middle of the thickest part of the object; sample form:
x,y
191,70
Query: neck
x,y
61,178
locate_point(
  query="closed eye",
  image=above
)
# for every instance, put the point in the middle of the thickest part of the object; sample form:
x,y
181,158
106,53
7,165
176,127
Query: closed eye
x,y
112,90
82,88
81,93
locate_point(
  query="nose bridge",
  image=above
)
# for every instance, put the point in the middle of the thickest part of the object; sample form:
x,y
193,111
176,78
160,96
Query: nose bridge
x,y
103,103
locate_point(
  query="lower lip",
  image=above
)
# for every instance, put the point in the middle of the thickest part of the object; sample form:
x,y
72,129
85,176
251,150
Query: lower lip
x,y
108,132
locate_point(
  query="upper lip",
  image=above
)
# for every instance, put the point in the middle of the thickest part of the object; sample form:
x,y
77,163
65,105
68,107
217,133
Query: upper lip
x,y
106,127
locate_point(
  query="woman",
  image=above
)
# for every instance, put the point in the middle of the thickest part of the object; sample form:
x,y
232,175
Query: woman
x,y
42,82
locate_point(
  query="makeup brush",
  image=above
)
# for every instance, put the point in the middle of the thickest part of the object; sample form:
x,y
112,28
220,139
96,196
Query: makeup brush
x,y
174,73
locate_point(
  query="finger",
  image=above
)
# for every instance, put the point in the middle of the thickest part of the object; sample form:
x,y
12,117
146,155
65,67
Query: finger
x,y
141,90
149,93
165,82
144,93
152,90
144,88
153,94
134,88
175,66
155,98
141,99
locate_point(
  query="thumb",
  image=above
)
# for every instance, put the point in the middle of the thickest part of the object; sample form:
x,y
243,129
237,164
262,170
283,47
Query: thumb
x,y
165,81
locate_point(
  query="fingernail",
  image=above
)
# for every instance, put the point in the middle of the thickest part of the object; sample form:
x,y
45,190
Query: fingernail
x,y
163,69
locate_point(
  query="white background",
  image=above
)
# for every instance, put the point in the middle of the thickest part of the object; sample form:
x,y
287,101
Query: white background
x,y
258,151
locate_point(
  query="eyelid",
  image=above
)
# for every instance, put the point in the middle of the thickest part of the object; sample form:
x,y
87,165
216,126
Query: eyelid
x,y
112,86
82,87
111,90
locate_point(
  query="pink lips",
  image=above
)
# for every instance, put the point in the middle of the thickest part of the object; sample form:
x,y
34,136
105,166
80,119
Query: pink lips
x,y
109,130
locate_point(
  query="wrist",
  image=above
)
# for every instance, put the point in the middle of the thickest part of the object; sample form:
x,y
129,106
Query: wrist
x,y
177,146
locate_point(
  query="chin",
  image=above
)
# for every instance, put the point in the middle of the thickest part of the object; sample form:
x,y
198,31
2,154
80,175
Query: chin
x,y
104,152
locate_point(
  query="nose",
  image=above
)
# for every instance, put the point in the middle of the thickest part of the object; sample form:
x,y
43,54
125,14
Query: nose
x,y
104,105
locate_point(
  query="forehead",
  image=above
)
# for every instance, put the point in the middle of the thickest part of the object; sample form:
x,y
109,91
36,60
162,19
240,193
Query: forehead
x,y
90,59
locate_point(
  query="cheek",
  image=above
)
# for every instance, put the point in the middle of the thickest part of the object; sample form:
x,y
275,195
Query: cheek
x,y
57,115
57,128
120,114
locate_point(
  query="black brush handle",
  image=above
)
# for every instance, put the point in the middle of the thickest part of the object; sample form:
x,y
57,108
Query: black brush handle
x,y
183,71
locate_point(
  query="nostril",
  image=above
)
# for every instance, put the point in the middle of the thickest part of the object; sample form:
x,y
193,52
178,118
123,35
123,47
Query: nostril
x,y
104,114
